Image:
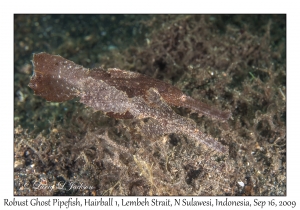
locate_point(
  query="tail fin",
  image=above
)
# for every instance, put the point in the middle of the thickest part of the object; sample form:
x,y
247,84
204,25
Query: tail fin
x,y
53,77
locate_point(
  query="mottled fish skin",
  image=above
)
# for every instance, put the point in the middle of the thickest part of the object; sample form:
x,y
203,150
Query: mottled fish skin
x,y
135,84
122,95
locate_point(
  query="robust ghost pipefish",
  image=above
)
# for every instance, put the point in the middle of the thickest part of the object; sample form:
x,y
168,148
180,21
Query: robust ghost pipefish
x,y
122,95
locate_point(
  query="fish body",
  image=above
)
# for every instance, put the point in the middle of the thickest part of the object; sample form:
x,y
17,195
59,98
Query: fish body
x,y
122,95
